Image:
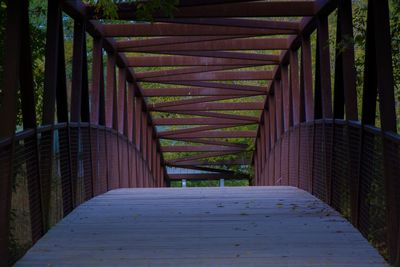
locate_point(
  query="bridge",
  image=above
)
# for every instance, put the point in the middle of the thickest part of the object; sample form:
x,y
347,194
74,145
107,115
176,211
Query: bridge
x,y
217,90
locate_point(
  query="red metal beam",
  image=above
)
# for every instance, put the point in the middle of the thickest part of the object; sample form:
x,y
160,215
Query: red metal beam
x,y
199,149
200,156
209,163
235,59
197,92
219,115
181,71
221,86
216,134
170,40
152,106
215,76
212,142
198,121
225,54
231,44
197,129
171,29
127,11
214,106
235,22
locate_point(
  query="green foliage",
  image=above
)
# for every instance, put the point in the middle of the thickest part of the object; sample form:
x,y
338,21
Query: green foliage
x,y
144,11
212,183
360,8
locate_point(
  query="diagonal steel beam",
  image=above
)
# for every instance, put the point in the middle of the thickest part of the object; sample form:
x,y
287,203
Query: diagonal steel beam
x,y
225,54
237,22
220,115
200,156
200,168
200,121
225,45
197,129
197,92
208,163
190,70
211,142
171,40
209,148
152,106
235,59
215,76
216,134
214,106
221,85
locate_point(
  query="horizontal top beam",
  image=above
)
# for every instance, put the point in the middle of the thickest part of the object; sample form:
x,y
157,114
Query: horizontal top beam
x,y
127,11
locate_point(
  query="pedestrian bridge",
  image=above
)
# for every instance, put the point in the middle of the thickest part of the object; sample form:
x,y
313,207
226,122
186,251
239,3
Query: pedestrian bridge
x,y
265,91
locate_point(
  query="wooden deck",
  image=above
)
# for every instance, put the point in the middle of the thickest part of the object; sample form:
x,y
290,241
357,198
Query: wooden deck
x,y
243,226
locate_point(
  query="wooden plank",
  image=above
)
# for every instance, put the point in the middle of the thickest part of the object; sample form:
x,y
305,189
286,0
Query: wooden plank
x,y
230,226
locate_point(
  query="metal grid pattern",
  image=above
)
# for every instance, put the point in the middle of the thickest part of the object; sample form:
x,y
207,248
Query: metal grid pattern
x,y
294,157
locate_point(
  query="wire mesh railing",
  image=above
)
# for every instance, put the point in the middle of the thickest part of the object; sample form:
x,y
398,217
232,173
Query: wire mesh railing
x,y
67,165
345,165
